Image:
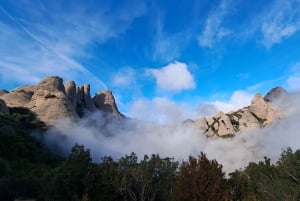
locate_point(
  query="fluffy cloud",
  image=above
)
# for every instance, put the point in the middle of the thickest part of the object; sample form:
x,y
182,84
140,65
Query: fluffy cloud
x,y
160,110
173,77
176,139
238,99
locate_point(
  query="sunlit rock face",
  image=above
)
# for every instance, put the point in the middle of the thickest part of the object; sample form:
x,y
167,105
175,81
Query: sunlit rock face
x,y
261,113
51,100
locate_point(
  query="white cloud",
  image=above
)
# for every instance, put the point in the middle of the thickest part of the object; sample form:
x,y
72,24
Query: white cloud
x,y
176,139
159,110
281,21
173,77
214,30
238,100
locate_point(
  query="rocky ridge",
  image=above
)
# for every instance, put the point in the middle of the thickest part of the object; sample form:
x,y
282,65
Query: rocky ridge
x,y
261,113
52,100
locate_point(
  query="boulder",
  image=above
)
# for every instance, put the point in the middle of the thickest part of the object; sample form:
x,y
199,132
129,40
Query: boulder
x,y
225,126
247,120
259,107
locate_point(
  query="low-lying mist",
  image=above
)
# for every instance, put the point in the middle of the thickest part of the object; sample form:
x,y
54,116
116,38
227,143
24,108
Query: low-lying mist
x,y
175,139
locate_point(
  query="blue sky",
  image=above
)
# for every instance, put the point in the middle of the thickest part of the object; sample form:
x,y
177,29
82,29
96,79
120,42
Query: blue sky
x,y
156,56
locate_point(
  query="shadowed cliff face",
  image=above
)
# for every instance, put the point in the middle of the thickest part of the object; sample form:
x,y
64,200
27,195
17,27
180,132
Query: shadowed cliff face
x,y
51,100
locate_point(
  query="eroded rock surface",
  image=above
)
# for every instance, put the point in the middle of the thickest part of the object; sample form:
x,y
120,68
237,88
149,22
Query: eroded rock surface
x,y
51,100
260,113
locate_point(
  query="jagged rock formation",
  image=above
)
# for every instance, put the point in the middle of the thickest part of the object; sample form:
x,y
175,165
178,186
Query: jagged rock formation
x,y
84,100
105,101
51,100
50,103
260,113
3,108
70,88
275,93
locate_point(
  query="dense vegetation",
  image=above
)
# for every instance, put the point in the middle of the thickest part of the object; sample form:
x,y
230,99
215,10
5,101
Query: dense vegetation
x,y
28,170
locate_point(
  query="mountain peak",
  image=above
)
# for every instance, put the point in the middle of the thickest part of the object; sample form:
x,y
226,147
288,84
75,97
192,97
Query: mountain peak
x,y
275,93
52,100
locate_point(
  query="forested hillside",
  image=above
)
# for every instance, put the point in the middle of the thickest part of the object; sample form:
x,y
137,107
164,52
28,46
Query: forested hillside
x,y
29,171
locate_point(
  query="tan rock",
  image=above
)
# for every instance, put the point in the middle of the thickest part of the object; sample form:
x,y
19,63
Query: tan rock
x,y
3,91
70,88
16,98
209,132
201,124
105,101
259,107
225,126
264,111
210,121
247,120
50,103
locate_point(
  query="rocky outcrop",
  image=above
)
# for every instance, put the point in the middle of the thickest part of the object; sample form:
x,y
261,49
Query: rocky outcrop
x,y
18,97
3,108
52,100
50,103
260,113
70,88
84,100
105,101
275,93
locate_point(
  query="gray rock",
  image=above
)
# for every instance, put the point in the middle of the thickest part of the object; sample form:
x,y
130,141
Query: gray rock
x,y
275,93
70,88
3,108
84,101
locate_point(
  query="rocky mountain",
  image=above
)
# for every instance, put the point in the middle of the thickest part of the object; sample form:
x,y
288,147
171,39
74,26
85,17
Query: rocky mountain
x,y
261,113
52,100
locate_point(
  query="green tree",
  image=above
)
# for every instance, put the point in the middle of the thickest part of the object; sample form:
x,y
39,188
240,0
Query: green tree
x,y
74,179
150,179
200,179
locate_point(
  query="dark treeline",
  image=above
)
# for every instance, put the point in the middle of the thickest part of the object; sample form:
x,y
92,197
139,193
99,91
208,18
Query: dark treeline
x,y
29,171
